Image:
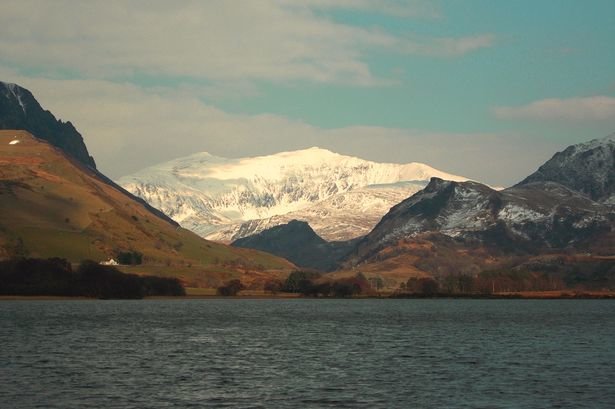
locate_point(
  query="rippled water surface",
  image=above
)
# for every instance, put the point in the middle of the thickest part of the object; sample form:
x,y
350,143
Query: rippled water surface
x,y
307,353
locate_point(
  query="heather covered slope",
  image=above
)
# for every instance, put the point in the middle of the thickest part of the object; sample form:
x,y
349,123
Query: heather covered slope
x,y
53,206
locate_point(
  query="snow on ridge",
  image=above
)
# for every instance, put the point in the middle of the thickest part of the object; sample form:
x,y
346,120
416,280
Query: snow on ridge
x,y
341,217
8,85
15,90
595,143
283,165
205,190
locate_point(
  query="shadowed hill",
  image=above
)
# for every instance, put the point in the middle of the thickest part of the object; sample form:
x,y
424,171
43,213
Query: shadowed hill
x,y
297,242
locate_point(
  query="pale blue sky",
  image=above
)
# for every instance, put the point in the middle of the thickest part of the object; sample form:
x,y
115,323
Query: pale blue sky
x,y
485,89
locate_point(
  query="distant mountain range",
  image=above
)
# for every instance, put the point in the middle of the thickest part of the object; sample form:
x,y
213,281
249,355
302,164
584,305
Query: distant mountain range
x,y
466,227
224,199
390,222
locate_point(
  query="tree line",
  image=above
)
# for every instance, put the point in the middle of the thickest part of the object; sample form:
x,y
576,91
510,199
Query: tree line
x,y
56,277
308,284
555,276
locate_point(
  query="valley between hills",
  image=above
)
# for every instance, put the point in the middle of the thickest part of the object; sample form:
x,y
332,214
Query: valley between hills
x,y
310,222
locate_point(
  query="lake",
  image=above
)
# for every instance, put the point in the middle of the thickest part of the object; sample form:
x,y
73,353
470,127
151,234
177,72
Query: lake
x,y
299,353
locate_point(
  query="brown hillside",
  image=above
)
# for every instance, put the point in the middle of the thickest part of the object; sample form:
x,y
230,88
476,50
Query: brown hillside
x,y
53,206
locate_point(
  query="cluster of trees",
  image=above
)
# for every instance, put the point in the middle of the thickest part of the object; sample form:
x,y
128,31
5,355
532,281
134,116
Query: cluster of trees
x,y
311,284
231,288
483,283
55,276
596,274
129,257
308,284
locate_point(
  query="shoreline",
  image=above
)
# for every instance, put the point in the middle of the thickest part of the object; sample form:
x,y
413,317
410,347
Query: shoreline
x,y
523,295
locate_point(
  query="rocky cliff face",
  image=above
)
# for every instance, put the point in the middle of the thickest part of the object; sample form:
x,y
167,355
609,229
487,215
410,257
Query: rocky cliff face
x,y
20,110
586,167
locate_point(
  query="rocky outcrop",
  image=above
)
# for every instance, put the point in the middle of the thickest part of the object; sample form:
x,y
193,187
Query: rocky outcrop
x,y
20,110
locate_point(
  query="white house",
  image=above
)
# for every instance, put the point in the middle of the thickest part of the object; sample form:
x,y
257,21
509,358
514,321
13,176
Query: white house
x,y
110,262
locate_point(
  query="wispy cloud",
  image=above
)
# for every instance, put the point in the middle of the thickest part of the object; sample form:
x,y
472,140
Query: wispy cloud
x,y
397,8
593,108
447,46
127,128
219,41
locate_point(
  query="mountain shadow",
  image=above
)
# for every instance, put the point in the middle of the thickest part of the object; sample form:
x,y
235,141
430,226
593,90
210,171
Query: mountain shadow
x,y
298,243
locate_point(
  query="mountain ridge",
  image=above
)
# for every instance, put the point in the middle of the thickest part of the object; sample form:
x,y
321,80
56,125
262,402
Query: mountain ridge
x,y
206,193
54,206
587,167
20,110
528,215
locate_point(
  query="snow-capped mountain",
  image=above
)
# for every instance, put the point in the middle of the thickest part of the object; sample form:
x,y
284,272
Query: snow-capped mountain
x,y
341,217
585,167
215,196
534,216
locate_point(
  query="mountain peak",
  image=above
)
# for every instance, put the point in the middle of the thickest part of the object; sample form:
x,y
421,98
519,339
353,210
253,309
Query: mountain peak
x,y
436,183
15,92
19,110
210,194
595,143
296,241
9,85
313,154
587,167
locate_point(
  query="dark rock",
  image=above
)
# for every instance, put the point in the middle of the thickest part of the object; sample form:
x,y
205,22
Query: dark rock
x,y
20,110
298,243
586,167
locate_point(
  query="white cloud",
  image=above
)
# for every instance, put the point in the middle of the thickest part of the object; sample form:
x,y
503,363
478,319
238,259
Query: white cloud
x,y
219,40
593,108
127,128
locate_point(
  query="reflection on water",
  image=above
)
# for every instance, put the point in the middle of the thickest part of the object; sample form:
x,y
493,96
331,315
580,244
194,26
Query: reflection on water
x,y
307,353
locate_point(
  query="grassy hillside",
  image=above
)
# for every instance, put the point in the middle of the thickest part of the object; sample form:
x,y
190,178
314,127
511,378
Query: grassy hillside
x,y
52,206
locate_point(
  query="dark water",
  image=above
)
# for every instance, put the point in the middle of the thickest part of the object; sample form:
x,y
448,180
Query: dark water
x,y
307,353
